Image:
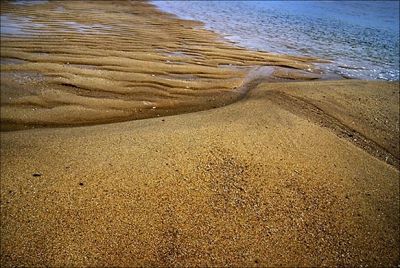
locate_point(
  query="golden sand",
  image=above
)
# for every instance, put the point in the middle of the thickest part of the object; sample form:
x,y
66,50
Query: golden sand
x,y
249,184
292,174
119,61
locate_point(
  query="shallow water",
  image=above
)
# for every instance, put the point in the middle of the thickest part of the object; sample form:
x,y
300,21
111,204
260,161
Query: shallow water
x,y
360,37
16,25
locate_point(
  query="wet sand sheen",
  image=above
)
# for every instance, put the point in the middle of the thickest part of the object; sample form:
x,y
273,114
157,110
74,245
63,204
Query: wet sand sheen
x,y
115,64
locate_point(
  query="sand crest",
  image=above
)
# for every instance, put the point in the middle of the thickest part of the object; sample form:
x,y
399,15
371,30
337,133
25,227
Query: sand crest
x,y
249,184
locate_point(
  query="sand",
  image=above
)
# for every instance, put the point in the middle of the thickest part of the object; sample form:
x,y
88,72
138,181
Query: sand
x,y
249,184
120,61
302,173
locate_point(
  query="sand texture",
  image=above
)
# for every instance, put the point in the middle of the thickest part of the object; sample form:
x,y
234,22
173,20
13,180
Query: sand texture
x,y
249,184
119,61
283,172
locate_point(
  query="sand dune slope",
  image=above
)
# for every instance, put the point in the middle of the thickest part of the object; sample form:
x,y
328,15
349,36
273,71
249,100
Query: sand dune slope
x,y
255,183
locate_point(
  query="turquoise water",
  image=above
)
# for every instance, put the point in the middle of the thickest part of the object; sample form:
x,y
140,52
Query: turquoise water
x,y
361,38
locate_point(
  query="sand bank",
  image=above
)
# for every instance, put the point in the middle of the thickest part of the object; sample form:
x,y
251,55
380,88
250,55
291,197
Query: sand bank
x,y
293,174
249,184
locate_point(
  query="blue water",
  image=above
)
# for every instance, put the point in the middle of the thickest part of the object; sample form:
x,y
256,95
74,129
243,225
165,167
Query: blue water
x,y
361,38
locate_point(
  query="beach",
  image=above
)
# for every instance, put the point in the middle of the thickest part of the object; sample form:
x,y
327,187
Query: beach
x,y
161,144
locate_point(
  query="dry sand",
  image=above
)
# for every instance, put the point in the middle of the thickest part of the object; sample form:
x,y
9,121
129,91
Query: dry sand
x,y
249,184
293,174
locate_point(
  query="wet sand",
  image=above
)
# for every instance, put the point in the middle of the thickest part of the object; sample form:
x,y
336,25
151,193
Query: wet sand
x,y
119,62
301,173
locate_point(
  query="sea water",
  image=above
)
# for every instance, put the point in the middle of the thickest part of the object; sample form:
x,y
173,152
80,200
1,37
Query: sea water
x,y
361,38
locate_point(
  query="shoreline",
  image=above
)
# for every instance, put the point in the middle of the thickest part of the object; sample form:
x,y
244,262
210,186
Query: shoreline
x,y
235,23
301,173
188,70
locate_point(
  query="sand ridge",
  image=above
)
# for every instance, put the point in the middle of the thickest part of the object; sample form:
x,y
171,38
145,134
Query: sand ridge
x,y
365,113
249,184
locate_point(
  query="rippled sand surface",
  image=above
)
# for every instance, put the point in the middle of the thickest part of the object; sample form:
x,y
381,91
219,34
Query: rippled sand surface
x,y
74,63
360,37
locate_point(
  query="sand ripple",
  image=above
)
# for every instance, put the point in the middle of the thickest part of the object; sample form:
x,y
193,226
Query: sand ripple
x,y
76,63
